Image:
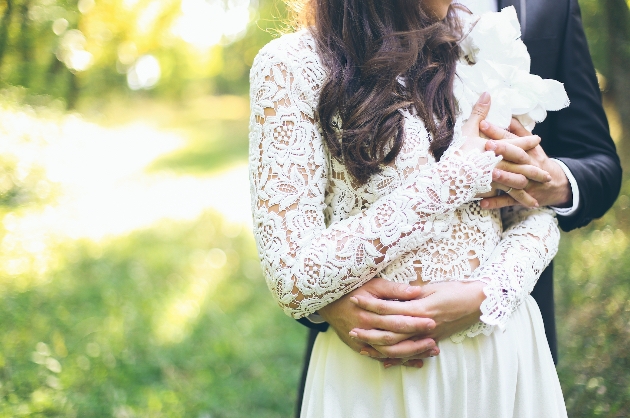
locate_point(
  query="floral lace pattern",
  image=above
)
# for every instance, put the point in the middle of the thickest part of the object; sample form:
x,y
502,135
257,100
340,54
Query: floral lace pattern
x,y
320,236
528,244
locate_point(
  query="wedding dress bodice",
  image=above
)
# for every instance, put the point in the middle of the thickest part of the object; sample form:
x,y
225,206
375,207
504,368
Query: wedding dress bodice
x,y
320,235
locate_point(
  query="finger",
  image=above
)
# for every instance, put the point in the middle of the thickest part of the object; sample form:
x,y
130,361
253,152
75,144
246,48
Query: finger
x,y
414,363
509,151
384,307
480,109
479,112
517,128
376,337
494,132
508,179
526,143
384,289
371,352
498,202
389,362
530,172
429,353
408,349
524,198
402,324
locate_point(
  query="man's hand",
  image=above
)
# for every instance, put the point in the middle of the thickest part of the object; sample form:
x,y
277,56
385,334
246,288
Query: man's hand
x,y
516,168
343,315
454,306
555,190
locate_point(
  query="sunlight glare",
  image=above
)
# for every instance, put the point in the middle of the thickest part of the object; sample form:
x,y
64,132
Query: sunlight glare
x,y
203,24
144,74
104,189
59,26
72,51
149,16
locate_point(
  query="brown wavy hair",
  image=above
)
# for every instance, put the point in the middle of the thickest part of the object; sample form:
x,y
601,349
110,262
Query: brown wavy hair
x,y
367,46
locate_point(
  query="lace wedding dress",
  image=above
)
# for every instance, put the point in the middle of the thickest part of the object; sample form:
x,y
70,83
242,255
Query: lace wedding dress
x,y
320,235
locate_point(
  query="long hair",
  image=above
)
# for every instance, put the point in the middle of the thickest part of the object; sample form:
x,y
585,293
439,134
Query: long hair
x,y
381,56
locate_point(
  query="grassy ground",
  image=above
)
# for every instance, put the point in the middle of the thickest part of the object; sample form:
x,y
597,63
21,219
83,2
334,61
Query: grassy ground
x,y
170,321
174,319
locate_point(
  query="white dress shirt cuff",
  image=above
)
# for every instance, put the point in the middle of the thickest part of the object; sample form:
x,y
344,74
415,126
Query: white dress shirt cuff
x,y
574,189
315,318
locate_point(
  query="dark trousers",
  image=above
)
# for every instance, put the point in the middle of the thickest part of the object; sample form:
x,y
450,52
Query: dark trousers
x,y
543,294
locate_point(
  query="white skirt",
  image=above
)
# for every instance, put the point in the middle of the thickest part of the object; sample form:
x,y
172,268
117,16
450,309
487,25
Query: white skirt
x,y
506,374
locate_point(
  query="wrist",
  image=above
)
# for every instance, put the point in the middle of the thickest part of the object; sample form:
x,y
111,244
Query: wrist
x,y
477,296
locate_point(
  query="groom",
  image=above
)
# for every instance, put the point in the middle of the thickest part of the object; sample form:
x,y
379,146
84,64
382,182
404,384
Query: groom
x,y
586,178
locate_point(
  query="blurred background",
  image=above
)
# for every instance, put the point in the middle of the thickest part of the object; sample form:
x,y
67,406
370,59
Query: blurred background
x,y
129,281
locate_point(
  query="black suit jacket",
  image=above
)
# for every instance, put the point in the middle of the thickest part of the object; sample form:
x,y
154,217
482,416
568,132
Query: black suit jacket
x,y
578,135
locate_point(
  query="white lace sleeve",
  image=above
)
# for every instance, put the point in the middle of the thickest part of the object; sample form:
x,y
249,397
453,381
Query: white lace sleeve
x,y
306,264
529,243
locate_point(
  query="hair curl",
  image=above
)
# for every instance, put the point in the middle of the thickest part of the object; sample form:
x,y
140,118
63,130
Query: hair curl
x,y
367,46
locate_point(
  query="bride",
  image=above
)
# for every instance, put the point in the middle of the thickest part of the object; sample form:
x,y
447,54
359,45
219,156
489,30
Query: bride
x,y
366,160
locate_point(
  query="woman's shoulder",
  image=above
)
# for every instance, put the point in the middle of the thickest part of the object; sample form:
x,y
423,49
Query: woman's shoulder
x,y
292,55
289,50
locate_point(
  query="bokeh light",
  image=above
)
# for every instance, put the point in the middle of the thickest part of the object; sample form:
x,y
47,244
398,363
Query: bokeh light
x,y
144,73
204,24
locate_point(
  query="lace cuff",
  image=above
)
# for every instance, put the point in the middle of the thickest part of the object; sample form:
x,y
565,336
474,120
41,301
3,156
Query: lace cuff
x,y
527,247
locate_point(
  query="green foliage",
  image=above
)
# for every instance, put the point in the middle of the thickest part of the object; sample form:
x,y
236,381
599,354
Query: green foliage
x,y
593,313
82,50
594,20
172,321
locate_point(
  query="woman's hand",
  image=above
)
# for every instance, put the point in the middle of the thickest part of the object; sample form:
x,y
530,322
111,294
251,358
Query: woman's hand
x,y
470,129
343,315
453,306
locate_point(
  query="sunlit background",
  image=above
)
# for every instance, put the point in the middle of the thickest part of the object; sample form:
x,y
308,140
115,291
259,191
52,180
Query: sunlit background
x,y
129,281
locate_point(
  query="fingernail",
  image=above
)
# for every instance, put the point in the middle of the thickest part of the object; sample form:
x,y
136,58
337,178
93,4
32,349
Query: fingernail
x,y
364,353
485,98
484,204
354,300
434,352
353,334
484,125
490,145
496,174
387,365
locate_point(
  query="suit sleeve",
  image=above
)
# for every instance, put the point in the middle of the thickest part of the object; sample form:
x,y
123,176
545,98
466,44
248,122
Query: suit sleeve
x,y
582,138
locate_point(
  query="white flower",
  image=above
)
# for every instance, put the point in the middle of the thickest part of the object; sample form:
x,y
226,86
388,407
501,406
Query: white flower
x,y
495,60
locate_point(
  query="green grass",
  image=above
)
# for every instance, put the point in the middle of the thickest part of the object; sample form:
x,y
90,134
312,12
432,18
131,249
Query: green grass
x,y
102,317
593,313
